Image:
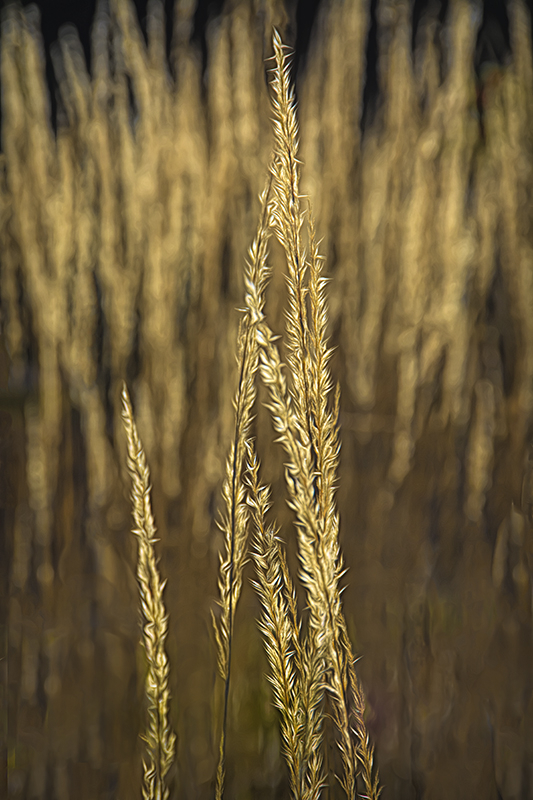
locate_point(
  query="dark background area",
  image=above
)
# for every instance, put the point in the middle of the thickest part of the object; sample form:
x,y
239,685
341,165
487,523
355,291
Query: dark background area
x,y
492,45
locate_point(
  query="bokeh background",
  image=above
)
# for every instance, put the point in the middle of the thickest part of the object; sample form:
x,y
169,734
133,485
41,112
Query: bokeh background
x,y
133,151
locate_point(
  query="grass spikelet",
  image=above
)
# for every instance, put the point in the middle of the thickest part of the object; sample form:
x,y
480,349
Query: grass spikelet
x,y
278,625
287,220
160,739
296,672
235,515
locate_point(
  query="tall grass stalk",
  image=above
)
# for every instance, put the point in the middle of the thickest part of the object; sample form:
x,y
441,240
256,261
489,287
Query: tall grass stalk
x,y
312,478
159,737
308,431
235,516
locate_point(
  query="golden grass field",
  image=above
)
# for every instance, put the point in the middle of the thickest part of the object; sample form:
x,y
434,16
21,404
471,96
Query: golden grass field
x,y
153,245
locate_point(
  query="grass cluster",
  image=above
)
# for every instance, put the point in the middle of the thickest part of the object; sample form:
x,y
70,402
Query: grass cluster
x,y
302,669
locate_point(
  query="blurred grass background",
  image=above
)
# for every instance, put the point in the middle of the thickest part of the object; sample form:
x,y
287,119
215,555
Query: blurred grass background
x,y
127,204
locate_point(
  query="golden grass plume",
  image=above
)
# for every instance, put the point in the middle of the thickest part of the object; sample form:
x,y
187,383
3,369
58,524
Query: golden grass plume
x,y
159,737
